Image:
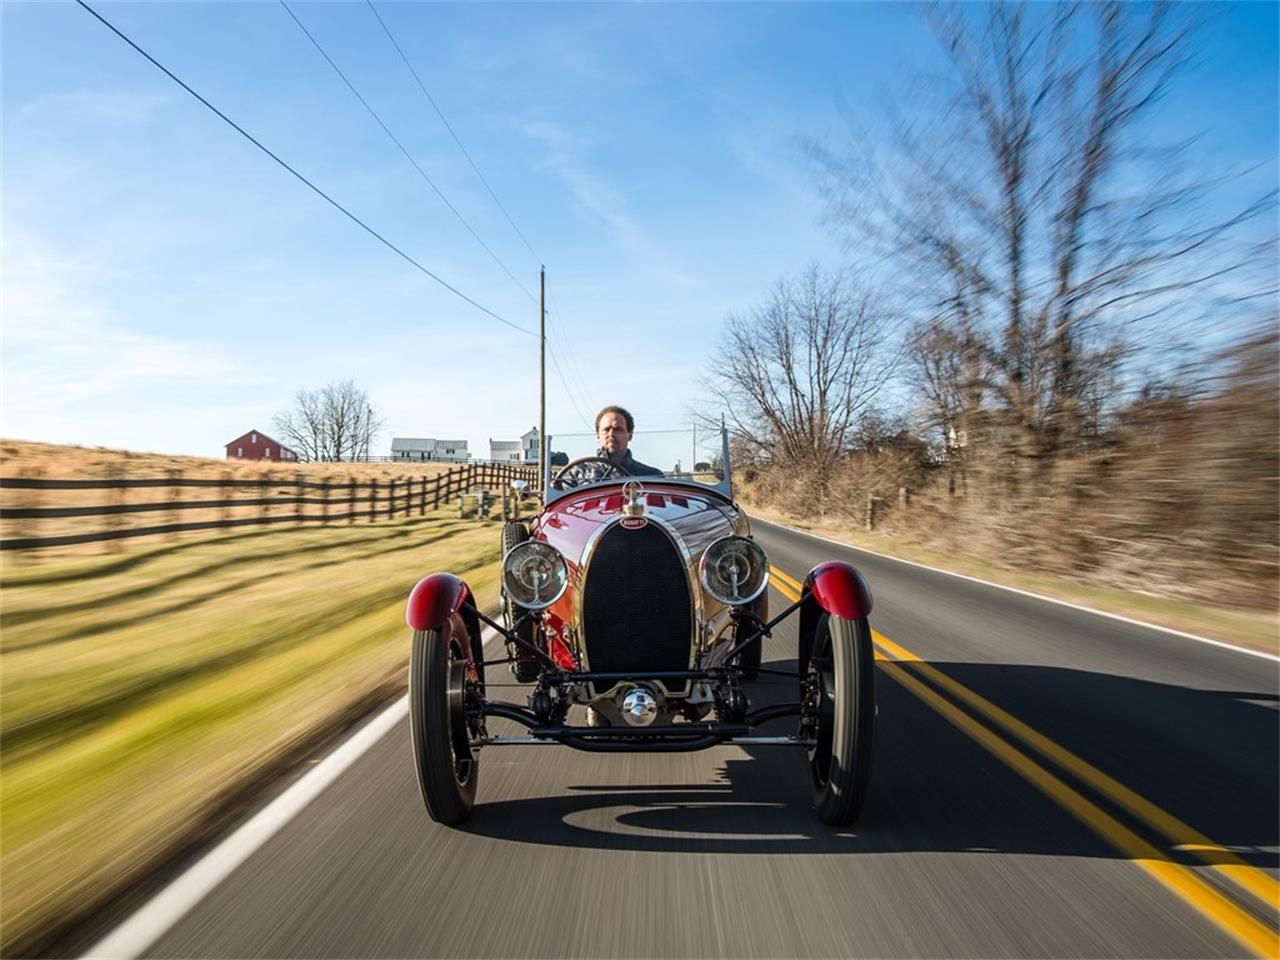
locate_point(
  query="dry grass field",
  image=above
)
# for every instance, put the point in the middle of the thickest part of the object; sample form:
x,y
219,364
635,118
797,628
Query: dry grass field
x,y
143,691
26,457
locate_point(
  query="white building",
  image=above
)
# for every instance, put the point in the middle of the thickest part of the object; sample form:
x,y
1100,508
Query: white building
x,y
505,450
426,448
529,444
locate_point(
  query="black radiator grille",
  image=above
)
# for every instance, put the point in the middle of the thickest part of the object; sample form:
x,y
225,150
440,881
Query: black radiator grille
x,y
636,609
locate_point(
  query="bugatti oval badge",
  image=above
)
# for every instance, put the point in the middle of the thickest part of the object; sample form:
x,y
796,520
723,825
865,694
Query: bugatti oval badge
x,y
634,523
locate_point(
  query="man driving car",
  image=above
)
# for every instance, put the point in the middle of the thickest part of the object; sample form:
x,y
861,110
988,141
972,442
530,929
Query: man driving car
x,y
614,429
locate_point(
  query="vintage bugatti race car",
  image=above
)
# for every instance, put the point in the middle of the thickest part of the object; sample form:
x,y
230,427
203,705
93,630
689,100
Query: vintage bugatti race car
x,y
642,600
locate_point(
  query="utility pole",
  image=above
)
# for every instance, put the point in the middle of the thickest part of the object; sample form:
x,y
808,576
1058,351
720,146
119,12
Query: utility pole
x,y
543,453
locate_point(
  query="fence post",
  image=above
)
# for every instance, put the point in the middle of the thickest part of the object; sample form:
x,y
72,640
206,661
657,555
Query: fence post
x,y
264,489
224,494
22,529
298,494
175,492
324,501
117,498
373,500
903,497
351,499
422,497
871,511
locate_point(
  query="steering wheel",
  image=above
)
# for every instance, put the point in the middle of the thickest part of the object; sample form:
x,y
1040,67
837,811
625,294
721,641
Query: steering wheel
x,y
613,467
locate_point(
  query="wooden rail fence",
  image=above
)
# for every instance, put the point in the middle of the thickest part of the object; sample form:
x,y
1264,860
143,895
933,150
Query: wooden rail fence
x,y
277,501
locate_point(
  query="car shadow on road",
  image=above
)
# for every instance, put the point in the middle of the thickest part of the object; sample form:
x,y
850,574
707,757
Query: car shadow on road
x,y
1206,757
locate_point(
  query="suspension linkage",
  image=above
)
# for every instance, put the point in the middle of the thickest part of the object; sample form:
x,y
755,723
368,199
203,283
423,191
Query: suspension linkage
x,y
511,637
764,630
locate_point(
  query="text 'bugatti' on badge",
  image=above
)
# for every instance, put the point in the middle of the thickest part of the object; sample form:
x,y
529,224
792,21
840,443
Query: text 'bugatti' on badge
x,y
634,523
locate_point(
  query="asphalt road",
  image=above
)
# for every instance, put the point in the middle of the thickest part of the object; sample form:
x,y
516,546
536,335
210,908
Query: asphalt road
x,y
1050,783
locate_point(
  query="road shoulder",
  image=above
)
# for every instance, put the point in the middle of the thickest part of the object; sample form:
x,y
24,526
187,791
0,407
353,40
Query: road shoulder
x,y
1251,631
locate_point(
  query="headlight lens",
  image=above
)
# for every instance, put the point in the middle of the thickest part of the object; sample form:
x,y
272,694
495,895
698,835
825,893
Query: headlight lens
x,y
534,574
734,570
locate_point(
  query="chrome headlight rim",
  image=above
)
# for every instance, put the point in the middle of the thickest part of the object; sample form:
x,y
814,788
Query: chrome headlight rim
x,y
713,553
518,589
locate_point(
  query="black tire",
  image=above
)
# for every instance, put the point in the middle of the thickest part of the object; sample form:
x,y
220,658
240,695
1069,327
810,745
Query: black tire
x,y
513,532
447,781
525,670
840,764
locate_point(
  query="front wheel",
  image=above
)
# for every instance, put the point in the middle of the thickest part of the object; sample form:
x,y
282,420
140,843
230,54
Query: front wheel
x,y
446,767
843,668
524,666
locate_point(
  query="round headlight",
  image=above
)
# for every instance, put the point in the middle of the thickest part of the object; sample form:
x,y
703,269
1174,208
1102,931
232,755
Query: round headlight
x,y
534,574
734,570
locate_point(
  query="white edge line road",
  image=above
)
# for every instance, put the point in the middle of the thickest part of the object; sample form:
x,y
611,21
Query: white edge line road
x,y
154,918
1026,593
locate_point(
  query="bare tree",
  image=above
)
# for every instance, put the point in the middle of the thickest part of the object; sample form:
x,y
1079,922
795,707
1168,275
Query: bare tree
x,y
793,375
336,422
1036,235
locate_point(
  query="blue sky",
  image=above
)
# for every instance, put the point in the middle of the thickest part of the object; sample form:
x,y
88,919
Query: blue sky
x,y
167,287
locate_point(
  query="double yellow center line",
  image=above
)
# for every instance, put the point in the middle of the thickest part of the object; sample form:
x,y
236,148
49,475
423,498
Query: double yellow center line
x,y
906,669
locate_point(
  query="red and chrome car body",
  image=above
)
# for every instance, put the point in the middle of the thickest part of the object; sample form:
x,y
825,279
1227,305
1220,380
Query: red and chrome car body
x,y
635,601
639,637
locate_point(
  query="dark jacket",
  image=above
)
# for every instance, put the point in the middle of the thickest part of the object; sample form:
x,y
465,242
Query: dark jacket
x,y
632,465
591,472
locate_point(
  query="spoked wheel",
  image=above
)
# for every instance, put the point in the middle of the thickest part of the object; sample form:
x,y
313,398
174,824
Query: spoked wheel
x,y
525,668
442,754
843,666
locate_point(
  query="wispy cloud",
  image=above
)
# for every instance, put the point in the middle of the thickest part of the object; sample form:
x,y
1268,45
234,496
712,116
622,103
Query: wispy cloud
x,y
69,360
103,107
599,197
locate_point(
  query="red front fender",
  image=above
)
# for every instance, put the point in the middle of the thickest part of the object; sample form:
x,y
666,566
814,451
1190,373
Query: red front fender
x,y
839,589
434,600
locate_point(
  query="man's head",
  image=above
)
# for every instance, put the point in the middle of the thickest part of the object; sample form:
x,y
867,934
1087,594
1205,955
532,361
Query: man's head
x,y
614,427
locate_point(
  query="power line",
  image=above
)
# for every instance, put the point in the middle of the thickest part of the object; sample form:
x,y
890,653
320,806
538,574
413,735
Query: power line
x,y
570,356
334,203
575,371
569,360
439,113
567,391
447,126
572,376
387,130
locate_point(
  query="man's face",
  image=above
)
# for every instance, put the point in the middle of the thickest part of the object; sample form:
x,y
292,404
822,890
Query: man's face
x,y
612,435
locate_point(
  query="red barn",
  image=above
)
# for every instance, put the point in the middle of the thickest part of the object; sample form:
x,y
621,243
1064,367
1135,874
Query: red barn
x,y
256,445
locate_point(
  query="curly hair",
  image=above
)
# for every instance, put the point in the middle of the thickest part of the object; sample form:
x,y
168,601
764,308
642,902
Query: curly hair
x,y
624,414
